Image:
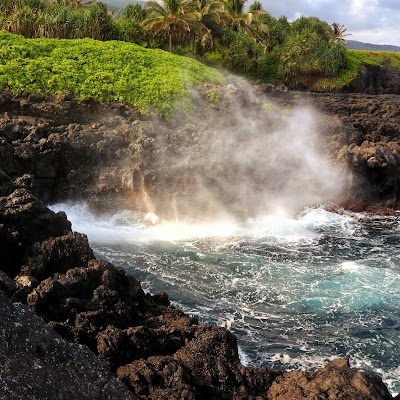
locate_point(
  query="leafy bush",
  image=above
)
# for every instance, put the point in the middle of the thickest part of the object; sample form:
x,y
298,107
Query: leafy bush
x,y
107,71
40,18
240,53
309,52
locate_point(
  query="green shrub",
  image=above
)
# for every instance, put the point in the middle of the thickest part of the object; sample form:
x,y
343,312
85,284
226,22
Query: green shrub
x,y
305,54
212,95
151,80
242,54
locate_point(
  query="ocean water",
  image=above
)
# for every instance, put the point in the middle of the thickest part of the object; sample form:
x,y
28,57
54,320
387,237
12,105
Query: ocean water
x,y
296,292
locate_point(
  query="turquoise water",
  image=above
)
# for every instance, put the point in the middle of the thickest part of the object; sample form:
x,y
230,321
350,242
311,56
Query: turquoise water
x,y
296,292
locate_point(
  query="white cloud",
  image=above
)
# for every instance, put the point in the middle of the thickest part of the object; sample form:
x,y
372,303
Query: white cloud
x,y
373,21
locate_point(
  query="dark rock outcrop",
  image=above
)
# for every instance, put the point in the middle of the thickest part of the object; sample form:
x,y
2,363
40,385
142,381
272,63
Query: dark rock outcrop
x,y
155,349
375,79
36,363
327,383
23,221
367,142
108,155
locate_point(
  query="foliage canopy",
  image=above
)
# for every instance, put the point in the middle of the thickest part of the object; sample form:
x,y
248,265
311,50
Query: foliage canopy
x,y
247,40
107,71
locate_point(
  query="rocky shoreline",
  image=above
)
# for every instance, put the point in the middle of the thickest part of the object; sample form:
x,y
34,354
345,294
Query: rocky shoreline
x,y
57,149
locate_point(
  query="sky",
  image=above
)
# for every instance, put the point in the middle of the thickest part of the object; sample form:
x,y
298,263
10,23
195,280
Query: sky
x,y
371,21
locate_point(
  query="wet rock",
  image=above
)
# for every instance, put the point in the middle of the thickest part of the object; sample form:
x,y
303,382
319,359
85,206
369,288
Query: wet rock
x,y
57,255
36,363
8,285
36,97
106,153
161,299
6,185
25,181
25,220
104,296
21,295
12,253
26,281
329,383
30,218
8,162
160,378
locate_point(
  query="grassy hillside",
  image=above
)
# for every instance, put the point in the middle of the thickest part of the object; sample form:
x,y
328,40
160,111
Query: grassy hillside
x,y
151,80
355,60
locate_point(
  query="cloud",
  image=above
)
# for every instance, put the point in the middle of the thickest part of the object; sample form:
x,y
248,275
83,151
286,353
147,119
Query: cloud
x,y
373,21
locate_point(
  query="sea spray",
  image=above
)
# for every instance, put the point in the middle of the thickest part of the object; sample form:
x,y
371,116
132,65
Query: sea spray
x,y
246,156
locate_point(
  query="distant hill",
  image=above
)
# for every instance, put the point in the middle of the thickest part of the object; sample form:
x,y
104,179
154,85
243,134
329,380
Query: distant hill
x,y
354,45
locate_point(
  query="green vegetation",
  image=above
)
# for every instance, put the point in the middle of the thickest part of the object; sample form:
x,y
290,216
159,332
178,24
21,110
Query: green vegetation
x,y
107,71
250,42
355,59
307,52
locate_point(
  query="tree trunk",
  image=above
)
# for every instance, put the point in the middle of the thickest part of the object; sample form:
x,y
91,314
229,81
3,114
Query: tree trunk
x,y
170,41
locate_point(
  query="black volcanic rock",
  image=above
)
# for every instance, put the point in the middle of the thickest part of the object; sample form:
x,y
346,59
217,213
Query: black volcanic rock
x,y
36,363
25,220
375,79
30,219
57,254
327,383
117,160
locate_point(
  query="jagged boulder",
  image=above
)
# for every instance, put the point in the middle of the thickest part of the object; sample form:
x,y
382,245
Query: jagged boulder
x,y
25,220
328,383
57,254
36,363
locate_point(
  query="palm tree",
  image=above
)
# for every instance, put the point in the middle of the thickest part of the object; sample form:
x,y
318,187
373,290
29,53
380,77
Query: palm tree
x,y
255,7
211,12
245,22
173,16
339,33
239,19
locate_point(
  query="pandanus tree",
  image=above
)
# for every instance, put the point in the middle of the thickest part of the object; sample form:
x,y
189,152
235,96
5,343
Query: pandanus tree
x,y
339,33
173,16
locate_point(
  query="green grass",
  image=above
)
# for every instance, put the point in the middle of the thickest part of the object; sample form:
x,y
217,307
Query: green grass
x,y
151,80
355,60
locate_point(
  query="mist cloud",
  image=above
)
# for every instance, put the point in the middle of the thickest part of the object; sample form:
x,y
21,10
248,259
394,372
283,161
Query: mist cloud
x,y
256,157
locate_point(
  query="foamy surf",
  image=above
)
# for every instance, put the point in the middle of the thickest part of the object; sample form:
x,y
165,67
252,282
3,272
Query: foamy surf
x,y
132,226
295,291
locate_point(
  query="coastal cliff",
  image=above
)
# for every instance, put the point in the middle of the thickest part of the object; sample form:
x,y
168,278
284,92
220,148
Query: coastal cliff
x,y
54,149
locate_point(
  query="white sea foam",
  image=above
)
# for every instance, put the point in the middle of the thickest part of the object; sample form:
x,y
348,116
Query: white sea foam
x,y
304,362
130,226
350,266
